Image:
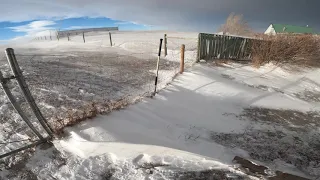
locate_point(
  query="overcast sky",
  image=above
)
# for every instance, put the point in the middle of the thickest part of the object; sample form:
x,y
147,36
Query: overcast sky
x,y
188,15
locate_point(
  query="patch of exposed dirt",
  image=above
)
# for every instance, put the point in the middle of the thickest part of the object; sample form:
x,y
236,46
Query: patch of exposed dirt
x,y
292,137
287,118
227,76
205,175
309,96
167,173
297,149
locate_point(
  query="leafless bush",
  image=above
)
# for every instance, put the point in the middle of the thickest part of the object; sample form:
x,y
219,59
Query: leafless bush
x,y
236,25
290,49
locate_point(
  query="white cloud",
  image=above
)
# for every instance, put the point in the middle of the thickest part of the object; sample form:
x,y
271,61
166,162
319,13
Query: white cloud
x,y
122,22
175,14
129,22
34,28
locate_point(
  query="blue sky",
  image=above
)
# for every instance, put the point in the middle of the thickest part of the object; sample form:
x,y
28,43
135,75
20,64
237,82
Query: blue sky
x,y
25,17
10,30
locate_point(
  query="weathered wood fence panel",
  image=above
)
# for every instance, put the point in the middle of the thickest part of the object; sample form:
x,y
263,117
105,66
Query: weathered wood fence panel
x,y
213,46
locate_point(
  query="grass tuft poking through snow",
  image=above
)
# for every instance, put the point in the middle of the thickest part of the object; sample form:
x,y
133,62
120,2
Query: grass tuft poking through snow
x,y
90,111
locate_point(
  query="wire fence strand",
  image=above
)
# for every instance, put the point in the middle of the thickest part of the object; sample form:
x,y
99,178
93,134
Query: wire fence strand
x,y
77,80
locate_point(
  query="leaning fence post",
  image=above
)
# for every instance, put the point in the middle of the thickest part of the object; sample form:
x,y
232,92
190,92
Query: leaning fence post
x,y
165,45
84,40
182,58
110,39
25,90
16,106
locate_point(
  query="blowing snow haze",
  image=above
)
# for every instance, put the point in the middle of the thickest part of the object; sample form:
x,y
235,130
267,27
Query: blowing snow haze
x,y
87,92
182,15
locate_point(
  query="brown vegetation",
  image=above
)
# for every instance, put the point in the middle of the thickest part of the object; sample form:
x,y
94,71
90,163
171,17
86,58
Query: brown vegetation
x,y
287,48
236,25
88,112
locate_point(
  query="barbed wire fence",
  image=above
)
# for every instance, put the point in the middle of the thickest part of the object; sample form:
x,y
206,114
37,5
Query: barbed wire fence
x,y
9,119
73,83
21,126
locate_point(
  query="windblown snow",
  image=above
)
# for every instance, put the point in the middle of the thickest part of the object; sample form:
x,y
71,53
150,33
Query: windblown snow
x,y
194,126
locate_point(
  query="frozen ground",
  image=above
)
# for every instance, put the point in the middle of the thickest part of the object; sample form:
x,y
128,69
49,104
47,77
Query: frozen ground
x,y
193,129
67,77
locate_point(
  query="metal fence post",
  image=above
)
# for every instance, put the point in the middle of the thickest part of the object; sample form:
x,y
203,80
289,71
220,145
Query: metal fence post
x,y
110,39
25,90
157,70
16,106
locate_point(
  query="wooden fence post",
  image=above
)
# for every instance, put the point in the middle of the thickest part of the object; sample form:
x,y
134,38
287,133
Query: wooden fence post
x,y
199,46
84,40
110,39
182,58
243,48
25,90
165,45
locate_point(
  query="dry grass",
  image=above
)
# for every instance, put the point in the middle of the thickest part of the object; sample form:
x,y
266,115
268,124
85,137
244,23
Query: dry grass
x,y
291,49
89,111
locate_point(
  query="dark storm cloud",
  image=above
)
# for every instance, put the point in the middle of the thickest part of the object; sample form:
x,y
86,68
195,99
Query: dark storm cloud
x,y
196,15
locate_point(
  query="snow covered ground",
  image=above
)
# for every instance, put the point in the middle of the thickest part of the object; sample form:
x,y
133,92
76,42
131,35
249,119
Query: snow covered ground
x,y
193,128
66,77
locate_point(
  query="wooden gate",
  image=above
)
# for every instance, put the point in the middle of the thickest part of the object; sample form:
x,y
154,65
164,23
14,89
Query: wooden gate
x,y
213,46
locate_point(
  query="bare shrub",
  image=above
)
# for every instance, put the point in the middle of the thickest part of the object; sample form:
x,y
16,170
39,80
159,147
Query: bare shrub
x,y
286,48
236,25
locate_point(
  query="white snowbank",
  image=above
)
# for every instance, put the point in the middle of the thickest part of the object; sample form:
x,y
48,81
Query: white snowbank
x,y
180,118
175,126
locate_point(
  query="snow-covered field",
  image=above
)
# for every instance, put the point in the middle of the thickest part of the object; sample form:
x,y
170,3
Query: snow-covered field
x,y
66,77
192,129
